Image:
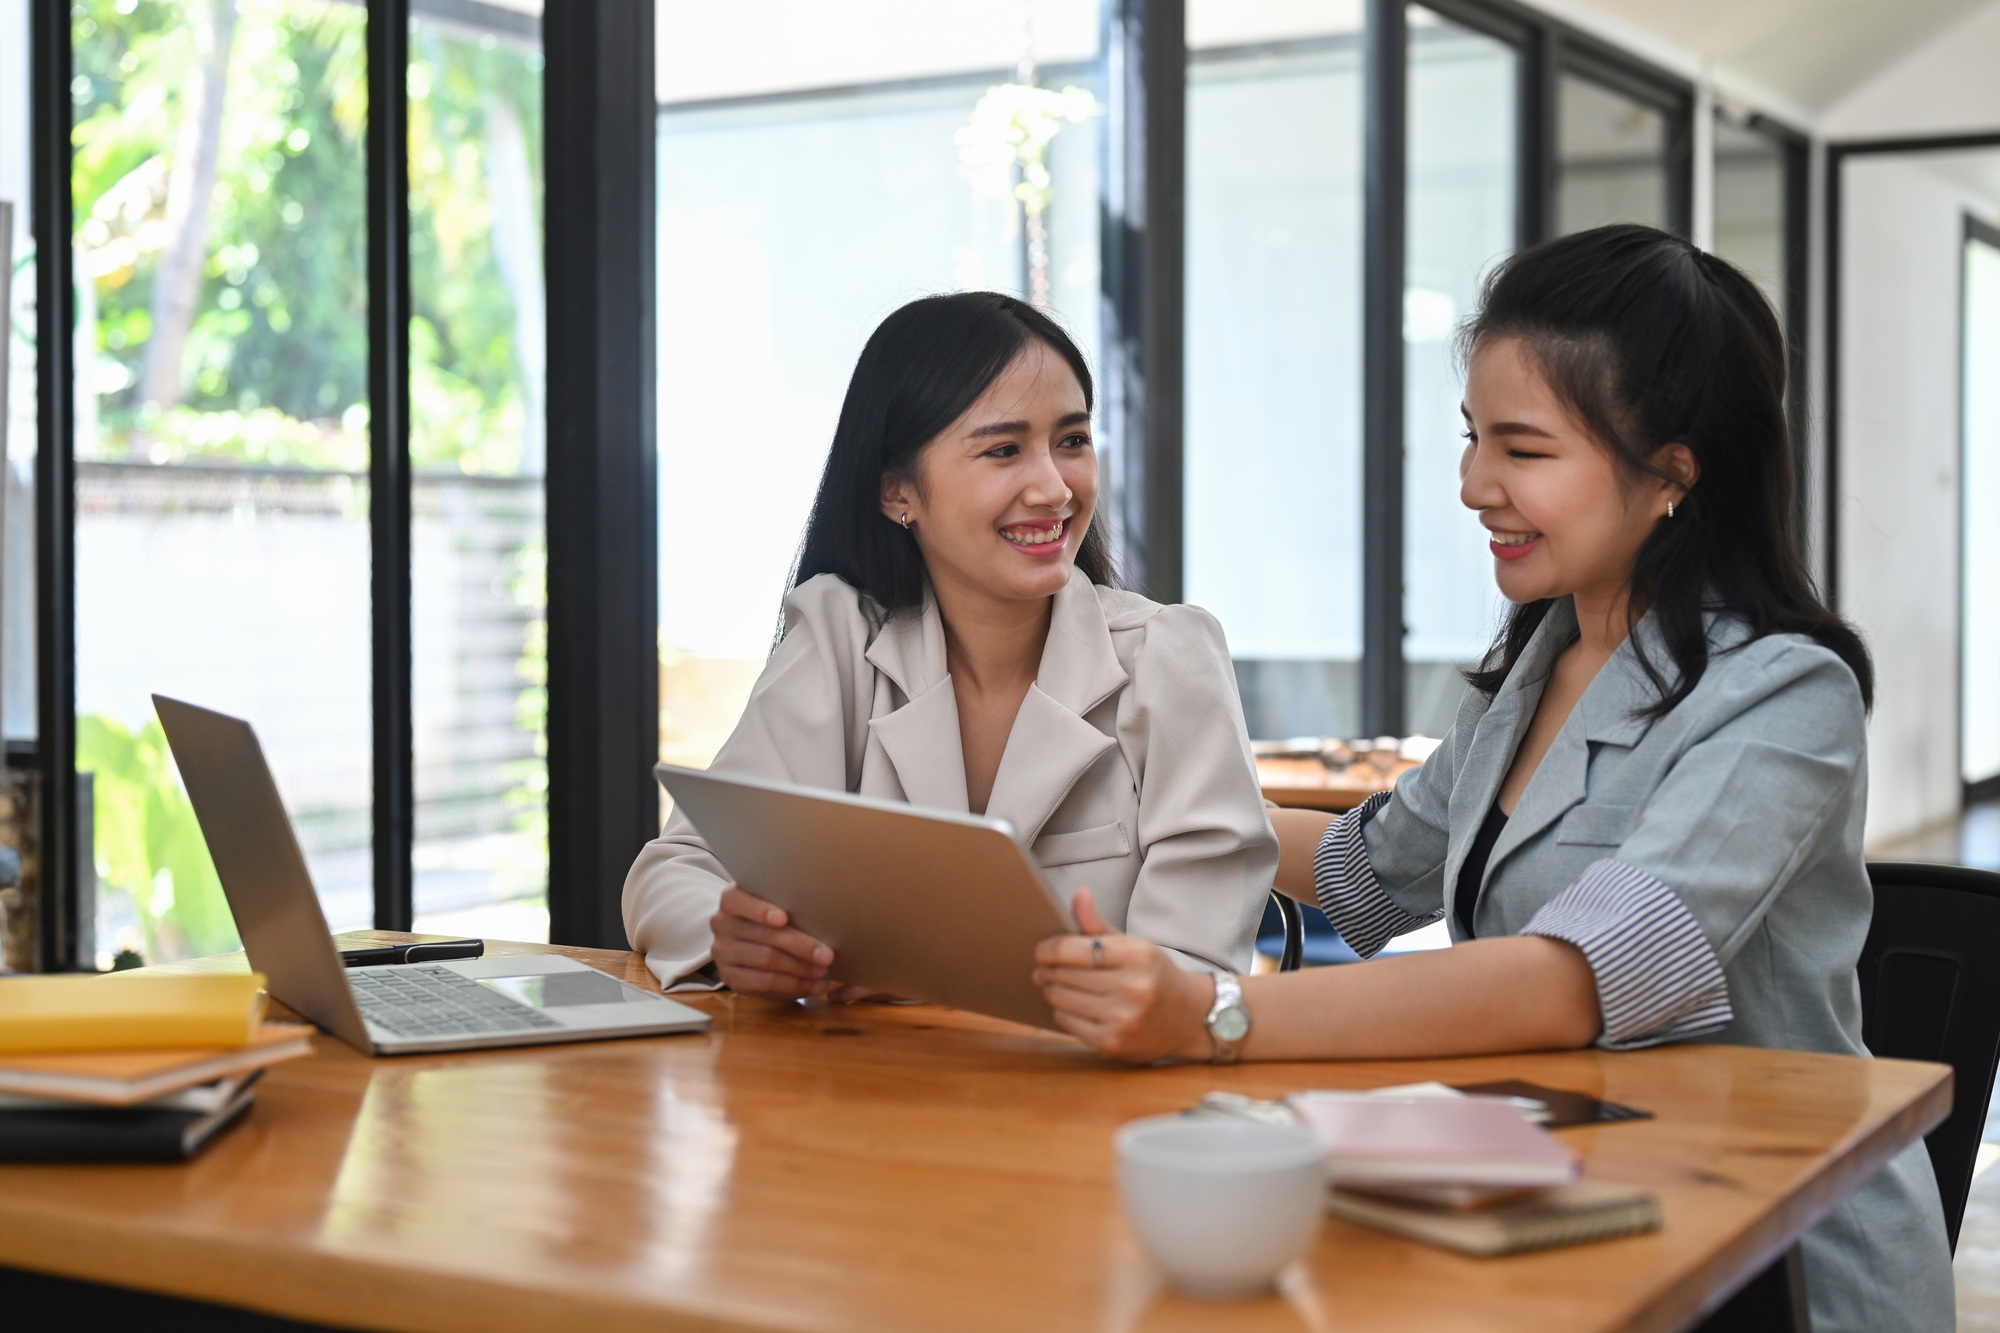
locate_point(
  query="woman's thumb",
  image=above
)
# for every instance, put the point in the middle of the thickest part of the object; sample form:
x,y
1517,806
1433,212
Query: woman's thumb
x,y
1088,919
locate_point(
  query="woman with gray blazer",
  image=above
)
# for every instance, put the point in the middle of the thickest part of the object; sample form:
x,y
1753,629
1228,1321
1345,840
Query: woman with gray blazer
x,y
1645,824
954,640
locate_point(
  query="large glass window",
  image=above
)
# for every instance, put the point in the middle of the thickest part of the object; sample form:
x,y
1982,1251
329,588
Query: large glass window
x,y
1979,637
1750,222
820,165
1462,147
17,385
1611,158
221,435
477,421
1273,446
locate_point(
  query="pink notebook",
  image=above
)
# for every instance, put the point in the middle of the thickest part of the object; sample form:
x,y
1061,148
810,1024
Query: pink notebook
x,y
1389,1141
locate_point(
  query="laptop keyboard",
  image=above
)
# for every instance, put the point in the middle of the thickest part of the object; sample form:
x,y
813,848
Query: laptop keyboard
x,y
419,1002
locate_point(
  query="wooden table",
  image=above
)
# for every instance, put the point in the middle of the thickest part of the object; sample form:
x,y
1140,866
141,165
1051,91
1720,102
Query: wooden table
x,y
1307,784
897,1168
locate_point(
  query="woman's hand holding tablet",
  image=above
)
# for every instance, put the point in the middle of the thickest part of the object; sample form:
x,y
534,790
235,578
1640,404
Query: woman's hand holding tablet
x,y
759,952
1123,995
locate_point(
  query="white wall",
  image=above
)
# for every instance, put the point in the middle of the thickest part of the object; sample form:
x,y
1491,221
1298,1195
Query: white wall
x,y
1899,466
1949,85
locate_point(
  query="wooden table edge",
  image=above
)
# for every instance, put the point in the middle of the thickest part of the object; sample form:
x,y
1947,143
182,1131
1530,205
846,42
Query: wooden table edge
x,y
365,1293
1731,1267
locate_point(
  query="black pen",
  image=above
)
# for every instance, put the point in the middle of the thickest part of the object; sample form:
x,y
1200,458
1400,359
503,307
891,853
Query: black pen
x,y
430,951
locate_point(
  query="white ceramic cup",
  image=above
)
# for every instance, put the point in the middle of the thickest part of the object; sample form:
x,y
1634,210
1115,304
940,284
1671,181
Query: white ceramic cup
x,y
1221,1204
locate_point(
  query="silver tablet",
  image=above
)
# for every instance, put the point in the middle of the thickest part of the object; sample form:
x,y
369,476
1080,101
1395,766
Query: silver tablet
x,y
919,903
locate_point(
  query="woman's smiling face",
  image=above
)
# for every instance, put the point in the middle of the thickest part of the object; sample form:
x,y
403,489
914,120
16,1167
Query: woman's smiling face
x,y
1003,496
1563,516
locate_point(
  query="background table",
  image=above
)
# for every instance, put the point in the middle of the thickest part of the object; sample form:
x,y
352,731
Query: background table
x,y
1307,784
897,1168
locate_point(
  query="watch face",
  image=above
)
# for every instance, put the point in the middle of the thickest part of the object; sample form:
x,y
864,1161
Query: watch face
x,y
1232,1024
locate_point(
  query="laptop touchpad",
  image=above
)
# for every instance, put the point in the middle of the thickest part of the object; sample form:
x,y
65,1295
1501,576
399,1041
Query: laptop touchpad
x,y
555,990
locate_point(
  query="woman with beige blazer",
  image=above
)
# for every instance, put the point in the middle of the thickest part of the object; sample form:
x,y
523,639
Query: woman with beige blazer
x,y
953,640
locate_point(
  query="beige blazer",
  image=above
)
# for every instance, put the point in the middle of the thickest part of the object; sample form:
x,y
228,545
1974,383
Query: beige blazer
x,y
1128,769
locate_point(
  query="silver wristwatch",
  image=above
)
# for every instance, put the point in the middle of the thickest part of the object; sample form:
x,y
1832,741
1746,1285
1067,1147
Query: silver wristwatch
x,y
1228,1022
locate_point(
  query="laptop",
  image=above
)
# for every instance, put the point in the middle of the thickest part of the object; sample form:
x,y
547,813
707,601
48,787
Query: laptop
x,y
924,904
401,1008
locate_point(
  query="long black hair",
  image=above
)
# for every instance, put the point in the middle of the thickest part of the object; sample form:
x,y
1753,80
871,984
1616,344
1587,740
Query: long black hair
x,y
920,370
1648,341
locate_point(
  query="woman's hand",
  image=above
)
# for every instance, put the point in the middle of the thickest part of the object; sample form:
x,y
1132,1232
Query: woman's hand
x,y
1123,995
759,952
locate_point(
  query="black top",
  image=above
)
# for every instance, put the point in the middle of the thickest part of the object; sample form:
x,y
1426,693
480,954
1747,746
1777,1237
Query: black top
x,y
1474,869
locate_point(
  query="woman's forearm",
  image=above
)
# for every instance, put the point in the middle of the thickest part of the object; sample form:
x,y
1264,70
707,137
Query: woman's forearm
x,y
1519,993
1299,833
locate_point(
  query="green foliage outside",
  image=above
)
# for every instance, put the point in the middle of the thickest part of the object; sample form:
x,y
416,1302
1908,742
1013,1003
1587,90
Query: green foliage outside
x,y
148,842
280,332
469,400
281,314
273,366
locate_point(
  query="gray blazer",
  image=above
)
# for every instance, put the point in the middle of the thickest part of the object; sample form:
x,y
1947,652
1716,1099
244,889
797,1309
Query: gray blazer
x,y
1725,834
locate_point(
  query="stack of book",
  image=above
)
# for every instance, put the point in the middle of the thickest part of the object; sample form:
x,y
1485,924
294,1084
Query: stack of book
x,y
131,1068
1473,1174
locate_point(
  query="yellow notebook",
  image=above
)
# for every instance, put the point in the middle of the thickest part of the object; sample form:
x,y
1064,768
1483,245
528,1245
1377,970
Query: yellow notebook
x,y
131,1012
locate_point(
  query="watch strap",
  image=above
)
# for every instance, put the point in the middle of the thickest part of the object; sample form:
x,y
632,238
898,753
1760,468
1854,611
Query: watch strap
x,y
1228,997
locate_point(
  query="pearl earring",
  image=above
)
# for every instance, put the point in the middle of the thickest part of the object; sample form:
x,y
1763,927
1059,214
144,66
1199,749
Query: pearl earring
x,y
1670,509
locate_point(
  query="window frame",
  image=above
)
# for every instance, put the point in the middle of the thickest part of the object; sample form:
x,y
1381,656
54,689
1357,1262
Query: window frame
x,y
389,514
67,909
601,108
59,835
1595,62
600,239
1833,194
1549,49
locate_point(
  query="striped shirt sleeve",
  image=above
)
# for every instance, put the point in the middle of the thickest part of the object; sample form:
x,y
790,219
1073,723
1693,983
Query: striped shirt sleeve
x,y
1657,978
1350,895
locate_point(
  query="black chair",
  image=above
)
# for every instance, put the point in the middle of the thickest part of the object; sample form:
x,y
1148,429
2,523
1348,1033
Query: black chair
x,y
1295,931
1930,990
1299,935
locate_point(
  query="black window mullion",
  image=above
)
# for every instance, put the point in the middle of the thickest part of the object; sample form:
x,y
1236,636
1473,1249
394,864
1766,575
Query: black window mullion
x,y
1797,313
1538,148
1680,168
1143,240
389,456
603,610
1385,64
65,937
1829,472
